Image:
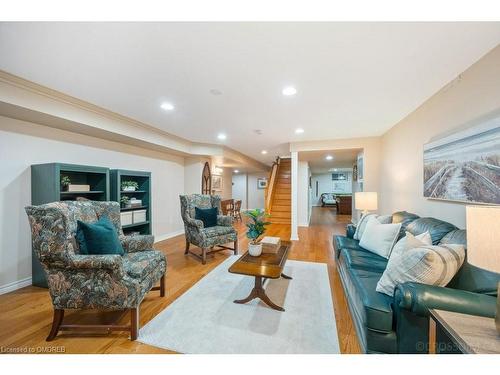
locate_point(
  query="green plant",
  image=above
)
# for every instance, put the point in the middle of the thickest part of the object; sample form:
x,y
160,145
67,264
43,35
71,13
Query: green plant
x,y
126,184
65,181
257,225
124,200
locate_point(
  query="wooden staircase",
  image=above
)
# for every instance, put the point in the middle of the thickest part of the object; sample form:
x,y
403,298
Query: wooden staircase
x,y
279,192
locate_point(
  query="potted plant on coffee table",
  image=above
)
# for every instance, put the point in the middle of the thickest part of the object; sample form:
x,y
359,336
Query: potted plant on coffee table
x,y
256,228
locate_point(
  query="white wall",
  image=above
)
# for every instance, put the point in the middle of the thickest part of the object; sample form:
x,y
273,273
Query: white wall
x,y
401,177
23,144
303,194
255,196
240,188
193,171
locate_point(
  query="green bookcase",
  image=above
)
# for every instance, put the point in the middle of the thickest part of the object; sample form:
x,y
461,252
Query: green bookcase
x,y
46,188
143,193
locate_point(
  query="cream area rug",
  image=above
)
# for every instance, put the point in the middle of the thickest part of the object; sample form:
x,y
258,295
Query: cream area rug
x,y
205,319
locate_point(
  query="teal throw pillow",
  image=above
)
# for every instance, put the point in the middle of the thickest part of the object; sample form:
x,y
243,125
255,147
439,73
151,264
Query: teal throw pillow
x,y
99,238
207,215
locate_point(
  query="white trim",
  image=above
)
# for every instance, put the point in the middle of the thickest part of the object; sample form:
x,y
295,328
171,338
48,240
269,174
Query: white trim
x,y
294,236
164,237
10,287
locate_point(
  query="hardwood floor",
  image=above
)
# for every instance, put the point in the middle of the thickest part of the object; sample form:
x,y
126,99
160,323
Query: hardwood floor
x,y
26,314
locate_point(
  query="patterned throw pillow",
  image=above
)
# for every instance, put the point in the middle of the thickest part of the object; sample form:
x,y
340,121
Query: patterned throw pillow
x,y
431,265
409,241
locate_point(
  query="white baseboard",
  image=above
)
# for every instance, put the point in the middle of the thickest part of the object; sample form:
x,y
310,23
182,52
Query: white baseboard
x,y
164,237
10,287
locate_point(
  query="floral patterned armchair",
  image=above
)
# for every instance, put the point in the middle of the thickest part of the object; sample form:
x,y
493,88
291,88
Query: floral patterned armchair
x,y
111,282
206,238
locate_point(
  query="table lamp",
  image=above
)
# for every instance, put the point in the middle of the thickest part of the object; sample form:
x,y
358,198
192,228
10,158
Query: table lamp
x,y
365,201
483,242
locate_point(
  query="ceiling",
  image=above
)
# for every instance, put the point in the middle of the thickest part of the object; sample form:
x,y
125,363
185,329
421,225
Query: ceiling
x,y
353,79
341,159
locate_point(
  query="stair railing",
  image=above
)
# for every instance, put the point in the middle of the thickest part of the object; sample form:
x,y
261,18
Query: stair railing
x,y
271,185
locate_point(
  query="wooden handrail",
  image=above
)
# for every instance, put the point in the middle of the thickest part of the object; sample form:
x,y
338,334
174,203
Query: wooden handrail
x,y
271,185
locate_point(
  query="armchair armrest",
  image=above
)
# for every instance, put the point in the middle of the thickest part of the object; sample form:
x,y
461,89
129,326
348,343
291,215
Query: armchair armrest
x,y
225,221
132,244
112,262
196,224
419,298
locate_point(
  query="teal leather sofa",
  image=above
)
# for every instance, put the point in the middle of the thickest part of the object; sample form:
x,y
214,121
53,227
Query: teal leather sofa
x,y
400,324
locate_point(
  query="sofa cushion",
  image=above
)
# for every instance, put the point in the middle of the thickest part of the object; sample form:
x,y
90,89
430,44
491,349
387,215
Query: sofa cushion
x,y
140,264
207,215
363,259
217,230
437,228
342,242
404,218
372,308
456,236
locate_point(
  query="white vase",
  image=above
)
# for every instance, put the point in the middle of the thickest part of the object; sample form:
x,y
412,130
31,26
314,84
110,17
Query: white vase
x,y
255,249
129,188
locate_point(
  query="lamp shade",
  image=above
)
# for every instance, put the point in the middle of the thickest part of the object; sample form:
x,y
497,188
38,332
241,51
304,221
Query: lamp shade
x,y
483,237
365,200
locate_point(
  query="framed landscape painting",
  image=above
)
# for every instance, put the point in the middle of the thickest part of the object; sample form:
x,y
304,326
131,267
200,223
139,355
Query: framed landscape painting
x,y
465,166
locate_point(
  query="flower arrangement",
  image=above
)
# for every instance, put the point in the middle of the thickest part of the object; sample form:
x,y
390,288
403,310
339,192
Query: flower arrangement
x,y
65,181
124,201
129,186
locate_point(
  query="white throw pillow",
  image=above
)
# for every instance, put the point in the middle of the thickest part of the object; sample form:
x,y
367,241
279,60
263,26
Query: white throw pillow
x,y
360,228
409,241
431,265
379,238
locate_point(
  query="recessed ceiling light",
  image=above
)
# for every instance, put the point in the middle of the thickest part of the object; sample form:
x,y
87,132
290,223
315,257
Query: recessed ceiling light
x,y
167,106
289,91
236,171
263,152
221,136
299,131
329,157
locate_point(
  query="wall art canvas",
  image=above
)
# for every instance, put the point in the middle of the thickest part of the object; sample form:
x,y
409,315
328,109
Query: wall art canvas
x,y
217,182
465,166
261,183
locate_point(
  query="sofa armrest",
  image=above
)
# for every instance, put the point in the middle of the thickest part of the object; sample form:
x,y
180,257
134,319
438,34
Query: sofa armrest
x,y
350,230
225,221
111,262
132,244
419,298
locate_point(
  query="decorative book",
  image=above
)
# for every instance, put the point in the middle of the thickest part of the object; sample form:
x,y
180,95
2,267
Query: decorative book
x,y
270,245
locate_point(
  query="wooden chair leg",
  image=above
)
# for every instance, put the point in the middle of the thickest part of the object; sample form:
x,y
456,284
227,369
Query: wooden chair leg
x,y
56,323
162,286
236,247
187,247
204,256
134,323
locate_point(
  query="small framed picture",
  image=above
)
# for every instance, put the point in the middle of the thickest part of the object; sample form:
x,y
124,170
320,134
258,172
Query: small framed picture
x,y
217,182
261,183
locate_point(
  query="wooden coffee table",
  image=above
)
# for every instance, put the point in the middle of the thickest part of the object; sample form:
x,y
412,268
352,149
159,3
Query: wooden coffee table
x,y
263,267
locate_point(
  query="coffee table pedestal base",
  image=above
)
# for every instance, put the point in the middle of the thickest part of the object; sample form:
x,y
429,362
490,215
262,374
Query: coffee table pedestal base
x,y
258,291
